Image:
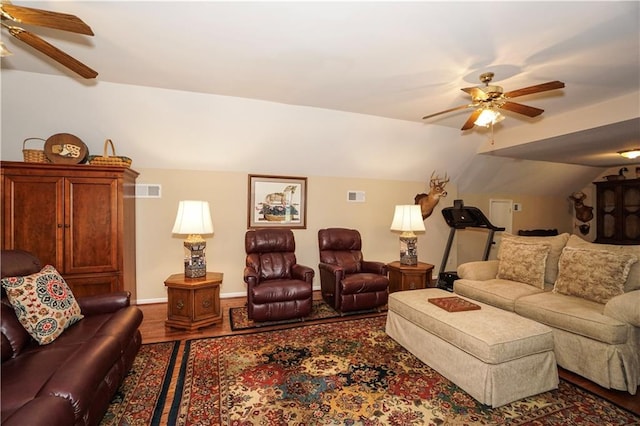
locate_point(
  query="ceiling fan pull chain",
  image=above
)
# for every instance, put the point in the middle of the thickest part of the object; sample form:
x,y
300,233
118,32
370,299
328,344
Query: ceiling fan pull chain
x,y
492,139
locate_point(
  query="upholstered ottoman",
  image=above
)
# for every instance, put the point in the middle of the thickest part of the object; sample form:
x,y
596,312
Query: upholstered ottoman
x,y
494,355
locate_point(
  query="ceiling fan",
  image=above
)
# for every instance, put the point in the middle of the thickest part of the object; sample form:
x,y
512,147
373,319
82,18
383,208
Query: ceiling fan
x,y
490,98
45,18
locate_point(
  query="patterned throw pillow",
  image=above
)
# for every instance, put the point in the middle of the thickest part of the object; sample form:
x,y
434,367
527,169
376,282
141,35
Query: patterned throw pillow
x,y
596,275
43,303
556,242
633,280
522,262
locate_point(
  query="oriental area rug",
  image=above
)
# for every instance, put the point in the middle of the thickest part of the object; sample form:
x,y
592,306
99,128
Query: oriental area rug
x,y
320,310
348,373
141,397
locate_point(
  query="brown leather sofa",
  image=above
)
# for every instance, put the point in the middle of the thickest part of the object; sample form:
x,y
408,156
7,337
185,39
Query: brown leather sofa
x,y
348,282
278,288
72,380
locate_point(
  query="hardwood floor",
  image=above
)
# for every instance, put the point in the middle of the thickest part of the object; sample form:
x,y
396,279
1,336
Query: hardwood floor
x,y
153,330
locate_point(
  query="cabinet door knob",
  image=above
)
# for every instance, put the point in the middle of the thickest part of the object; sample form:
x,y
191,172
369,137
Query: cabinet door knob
x,y
180,304
206,303
60,225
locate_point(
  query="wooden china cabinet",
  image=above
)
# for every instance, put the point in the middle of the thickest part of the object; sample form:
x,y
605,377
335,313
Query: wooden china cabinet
x,y
618,211
78,218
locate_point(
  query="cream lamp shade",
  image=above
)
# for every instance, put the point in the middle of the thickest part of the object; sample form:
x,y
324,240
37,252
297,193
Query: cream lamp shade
x,y
194,219
407,219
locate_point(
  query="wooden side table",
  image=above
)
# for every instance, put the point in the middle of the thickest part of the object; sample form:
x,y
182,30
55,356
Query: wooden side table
x,y
193,302
404,277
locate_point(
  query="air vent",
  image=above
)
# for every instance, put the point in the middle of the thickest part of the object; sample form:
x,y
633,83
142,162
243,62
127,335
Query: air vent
x,y
148,190
355,196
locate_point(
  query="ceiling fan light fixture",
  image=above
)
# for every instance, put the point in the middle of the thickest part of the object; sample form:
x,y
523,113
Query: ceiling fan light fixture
x,y
487,117
630,153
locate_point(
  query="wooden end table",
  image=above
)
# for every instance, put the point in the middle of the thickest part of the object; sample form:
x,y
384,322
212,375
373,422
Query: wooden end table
x,y
193,303
404,277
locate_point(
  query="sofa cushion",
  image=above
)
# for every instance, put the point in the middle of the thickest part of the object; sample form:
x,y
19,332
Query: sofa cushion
x,y
42,411
43,303
633,280
523,262
557,243
595,275
100,346
575,315
496,292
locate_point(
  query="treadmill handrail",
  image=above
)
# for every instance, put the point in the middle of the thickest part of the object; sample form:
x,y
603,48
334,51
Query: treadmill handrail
x,y
467,217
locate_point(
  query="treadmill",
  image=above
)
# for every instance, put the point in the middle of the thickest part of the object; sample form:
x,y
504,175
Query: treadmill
x,y
461,217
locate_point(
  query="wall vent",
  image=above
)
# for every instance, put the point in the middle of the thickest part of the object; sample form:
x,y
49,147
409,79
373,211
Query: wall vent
x,y
355,196
148,190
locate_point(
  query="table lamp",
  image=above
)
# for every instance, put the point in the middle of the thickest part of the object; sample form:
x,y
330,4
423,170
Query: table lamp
x,y
194,219
407,219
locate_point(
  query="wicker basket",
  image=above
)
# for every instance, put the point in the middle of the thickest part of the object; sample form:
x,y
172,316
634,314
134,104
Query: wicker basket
x,y
34,155
109,160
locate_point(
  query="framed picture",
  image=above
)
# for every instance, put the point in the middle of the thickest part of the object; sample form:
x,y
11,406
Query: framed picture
x,y
277,201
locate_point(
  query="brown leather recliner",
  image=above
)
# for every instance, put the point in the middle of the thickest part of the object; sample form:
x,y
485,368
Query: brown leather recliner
x,y
348,282
278,288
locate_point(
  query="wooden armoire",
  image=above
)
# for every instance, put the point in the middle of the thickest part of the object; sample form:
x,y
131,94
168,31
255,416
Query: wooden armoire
x,y
78,218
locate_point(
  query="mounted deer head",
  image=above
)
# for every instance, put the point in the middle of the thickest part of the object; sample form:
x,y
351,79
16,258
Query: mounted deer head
x,y
583,213
436,191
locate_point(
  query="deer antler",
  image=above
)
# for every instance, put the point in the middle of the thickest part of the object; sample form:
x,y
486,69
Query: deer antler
x,y
437,181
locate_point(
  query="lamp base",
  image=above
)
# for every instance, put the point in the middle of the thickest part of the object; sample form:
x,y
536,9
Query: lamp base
x,y
195,264
409,251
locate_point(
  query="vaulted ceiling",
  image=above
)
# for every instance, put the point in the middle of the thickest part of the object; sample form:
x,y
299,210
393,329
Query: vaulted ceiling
x,y
400,60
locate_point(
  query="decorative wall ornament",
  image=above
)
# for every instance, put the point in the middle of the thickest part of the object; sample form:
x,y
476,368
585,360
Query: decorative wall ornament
x,y
583,212
277,201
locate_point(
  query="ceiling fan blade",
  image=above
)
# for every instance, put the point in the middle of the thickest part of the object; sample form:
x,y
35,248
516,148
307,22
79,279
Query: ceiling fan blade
x,y
45,18
471,120
52,51
522,109
551,85
476,93
448,110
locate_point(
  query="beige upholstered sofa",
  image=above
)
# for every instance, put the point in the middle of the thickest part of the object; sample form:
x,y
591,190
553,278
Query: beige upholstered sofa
x,y
589,294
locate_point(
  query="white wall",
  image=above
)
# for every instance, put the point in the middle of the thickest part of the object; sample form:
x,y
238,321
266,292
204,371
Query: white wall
x,y
162,128
204,146
200,145
159,253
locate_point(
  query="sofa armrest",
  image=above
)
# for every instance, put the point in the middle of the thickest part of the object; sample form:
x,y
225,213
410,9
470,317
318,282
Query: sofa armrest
x,y
104,303
331,268
374,267
481,270
303,273
625,308
250,276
